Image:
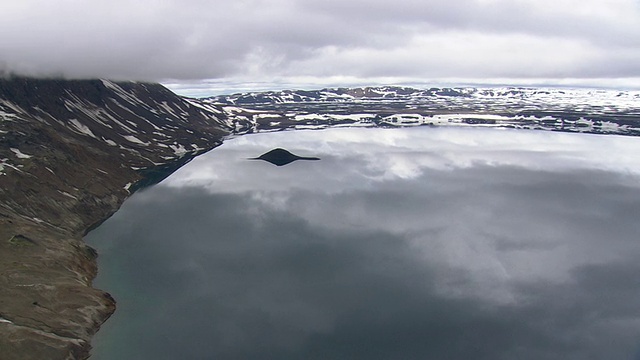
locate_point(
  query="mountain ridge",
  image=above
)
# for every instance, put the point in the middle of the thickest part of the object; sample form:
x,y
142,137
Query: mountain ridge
x,y
572,110
71,152
405,92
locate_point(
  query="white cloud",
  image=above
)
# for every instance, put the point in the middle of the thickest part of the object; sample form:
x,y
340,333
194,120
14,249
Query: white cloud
x,y
459,54
379,151
290,39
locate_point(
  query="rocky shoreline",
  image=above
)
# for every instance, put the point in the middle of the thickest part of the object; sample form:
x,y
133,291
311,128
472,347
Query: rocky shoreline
x,y
49,308
72,152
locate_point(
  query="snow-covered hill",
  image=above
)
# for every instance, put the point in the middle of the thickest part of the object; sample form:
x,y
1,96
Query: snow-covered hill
x,y
579,110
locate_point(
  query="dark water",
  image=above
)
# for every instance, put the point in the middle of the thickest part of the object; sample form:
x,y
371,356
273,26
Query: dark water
x,y
398,244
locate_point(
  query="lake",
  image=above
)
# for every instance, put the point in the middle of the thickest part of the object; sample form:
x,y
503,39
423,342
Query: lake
x,y
422,243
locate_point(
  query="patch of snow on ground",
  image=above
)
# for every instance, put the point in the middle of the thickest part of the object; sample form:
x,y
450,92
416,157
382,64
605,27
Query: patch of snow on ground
x,y
311,127
354,117
164,105
195,147
264,116
67,194
20,155
12,106
128,129
178,149
6,116
4,164
299,117
132,123
135,140
130,98
83,129
608,126
356,124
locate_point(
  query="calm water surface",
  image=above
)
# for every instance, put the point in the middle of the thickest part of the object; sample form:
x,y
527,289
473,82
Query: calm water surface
x,y
399,244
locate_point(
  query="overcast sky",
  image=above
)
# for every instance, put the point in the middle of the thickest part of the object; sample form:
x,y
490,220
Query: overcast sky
x,y
266,43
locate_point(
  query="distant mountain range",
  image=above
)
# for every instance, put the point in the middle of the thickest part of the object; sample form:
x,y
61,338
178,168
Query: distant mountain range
x,y
576,110
408,94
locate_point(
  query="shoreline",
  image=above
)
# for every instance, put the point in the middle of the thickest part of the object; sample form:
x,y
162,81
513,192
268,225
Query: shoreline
x,y
50,332
70,154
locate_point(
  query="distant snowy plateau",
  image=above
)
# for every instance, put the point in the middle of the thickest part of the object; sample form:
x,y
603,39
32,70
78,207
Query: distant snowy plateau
x,y
575,110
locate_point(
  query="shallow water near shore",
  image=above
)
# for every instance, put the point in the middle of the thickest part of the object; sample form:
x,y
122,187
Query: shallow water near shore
x,y
424,243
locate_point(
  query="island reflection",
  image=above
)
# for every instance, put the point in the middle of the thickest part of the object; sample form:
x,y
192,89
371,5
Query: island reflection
x,y
281,157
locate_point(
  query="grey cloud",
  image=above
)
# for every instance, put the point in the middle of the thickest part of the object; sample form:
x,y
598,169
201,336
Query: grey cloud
x,y
552,20
288,39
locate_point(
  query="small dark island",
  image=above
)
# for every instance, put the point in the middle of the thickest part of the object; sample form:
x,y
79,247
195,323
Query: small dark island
x,y
280,157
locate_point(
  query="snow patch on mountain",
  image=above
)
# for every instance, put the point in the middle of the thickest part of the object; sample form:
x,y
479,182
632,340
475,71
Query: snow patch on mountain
x,y
81,128
19,154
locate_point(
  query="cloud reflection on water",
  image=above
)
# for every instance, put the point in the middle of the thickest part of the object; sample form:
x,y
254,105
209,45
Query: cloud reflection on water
x,y
478,244
385,154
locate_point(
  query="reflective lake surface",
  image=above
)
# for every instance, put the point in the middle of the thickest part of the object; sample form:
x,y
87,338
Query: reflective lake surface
x,y
423,243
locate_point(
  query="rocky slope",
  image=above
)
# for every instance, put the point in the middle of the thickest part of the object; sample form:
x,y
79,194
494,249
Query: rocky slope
x,y
575,110
70,153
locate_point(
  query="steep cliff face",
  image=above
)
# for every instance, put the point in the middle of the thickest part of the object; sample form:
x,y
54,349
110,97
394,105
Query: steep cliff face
x,y
70,153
